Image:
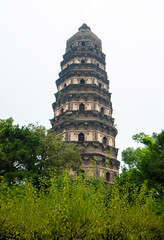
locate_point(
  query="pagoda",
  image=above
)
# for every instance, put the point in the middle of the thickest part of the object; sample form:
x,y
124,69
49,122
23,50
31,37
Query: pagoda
x,y
83,107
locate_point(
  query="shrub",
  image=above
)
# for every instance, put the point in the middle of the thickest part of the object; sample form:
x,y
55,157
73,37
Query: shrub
x,y
76,208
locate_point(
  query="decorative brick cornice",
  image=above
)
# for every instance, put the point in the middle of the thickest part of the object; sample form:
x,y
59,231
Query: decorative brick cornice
x,y
98,145
87,113
81,97
69,124
85,87
89,158
83,68
83,52
77,73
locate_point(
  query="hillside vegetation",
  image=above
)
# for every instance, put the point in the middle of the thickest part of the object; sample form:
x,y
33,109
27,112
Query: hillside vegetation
x,y
40,200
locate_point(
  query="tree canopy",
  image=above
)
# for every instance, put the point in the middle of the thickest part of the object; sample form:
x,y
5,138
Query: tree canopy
x,y
145,163
33,149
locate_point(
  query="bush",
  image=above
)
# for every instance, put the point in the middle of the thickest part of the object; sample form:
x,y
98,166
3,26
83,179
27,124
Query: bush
x,y
76,208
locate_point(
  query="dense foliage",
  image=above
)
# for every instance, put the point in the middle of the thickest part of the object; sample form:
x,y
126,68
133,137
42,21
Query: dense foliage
x,y
38,200
32,151
77,208
145,164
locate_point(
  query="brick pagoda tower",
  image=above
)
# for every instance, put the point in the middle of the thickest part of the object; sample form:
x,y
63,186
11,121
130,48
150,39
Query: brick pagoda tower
x,y
83,108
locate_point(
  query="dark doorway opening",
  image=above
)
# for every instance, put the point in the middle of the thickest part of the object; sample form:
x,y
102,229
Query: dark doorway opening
x,y
102,110
104,140
107,176
81,107
82,81
81,137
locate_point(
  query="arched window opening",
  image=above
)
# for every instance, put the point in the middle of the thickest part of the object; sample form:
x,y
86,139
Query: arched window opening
x,y
100,85
102,110
81,107
82,81
82,61
83,43
62,110
104,141
107,176
81,137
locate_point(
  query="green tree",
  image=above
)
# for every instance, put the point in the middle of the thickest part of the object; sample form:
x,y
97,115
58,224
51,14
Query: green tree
x,y
146,163
30,150
18,147
54,152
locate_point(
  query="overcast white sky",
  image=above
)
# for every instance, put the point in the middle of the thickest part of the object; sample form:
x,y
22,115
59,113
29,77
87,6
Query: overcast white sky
x,y
33,36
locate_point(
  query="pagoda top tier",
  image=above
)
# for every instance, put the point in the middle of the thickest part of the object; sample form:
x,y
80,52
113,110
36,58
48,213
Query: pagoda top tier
x,y
84,26
84,37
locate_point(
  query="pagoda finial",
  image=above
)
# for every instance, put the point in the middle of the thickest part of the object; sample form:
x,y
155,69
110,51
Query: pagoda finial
x,y
84,26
